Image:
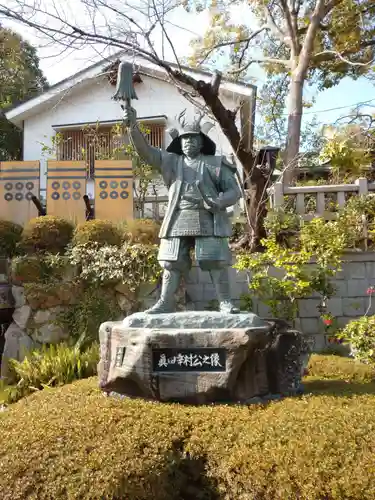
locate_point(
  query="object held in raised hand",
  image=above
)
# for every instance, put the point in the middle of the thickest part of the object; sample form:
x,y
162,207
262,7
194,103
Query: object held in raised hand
x,y
124,86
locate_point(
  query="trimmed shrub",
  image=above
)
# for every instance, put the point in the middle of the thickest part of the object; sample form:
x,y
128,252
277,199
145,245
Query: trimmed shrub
x,y
145,231
10,236
38,268
72,442
47,234
334,367
47,295
98,231
26,269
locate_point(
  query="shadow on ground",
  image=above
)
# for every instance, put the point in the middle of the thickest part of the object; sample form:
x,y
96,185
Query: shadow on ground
x,y
180,477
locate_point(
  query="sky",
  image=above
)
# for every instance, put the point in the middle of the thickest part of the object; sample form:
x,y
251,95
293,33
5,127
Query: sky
x,y
182,27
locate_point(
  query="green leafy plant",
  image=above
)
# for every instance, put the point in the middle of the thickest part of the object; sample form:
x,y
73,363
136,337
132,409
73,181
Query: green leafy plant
x,y
280,219
47,234
95,305
357,220
98,232
50,150
52,365
129,264
281,276
41,268
10,236
360,334
284,225
347,149
246,302
213,305
102,269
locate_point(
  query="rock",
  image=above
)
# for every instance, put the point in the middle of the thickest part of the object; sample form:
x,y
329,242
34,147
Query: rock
x,y
6,299
140,350
47,315
17,344
199,357
147,289
195,319
45,329
18,293
49,333
21,316
287,358
254,401
123,289
41,296
123,302
69,272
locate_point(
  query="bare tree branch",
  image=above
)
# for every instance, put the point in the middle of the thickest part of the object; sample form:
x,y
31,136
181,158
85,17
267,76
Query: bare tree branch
x,y
274,28
340,56
232,42
266,60
166,34
292,33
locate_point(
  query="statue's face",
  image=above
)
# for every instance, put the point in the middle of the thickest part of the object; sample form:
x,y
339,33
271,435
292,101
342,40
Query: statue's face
x,y
191,145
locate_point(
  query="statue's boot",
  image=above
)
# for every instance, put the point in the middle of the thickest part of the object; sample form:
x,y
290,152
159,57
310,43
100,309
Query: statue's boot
x,y
220,280
167,301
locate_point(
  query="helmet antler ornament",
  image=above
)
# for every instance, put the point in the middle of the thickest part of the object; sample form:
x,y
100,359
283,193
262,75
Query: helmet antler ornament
x,y
193,127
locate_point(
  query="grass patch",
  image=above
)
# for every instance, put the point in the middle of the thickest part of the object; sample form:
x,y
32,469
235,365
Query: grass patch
x,y
332,367
3,393
72,442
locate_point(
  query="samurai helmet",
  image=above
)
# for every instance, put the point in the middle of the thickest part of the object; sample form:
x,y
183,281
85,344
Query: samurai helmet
x,y
192,128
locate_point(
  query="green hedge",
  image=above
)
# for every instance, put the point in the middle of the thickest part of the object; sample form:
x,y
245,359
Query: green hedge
x,y
97,231
72,442
10,236
47,234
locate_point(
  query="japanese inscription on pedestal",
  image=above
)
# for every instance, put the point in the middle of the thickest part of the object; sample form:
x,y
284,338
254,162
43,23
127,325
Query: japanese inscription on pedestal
x,y
189,360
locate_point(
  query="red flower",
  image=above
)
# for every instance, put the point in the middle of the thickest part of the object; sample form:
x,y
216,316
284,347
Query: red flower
x,y
327,321
370,290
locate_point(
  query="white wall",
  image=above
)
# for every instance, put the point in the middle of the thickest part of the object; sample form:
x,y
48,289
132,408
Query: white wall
x,y
94,103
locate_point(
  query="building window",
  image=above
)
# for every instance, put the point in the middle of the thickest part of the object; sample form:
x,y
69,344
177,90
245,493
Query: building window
x,y
98,142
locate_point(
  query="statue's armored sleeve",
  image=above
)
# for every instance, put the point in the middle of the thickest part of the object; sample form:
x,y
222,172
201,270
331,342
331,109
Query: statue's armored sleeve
x,y
161,160
228,184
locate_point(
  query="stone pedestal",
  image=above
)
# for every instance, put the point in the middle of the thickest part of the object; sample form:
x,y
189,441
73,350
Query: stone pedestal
x,y
200,357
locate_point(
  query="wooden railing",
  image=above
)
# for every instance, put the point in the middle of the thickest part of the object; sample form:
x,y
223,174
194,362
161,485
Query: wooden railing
x,y
317,201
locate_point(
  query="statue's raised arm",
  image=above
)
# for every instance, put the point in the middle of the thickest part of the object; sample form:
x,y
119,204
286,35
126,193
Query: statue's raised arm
x,y
152,156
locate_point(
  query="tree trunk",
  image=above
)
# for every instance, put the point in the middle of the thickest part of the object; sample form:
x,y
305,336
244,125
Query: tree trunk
x,y
295,108
255,199
257,212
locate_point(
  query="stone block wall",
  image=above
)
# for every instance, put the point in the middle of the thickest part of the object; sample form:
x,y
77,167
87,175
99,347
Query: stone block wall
x,y
350,301
34,319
